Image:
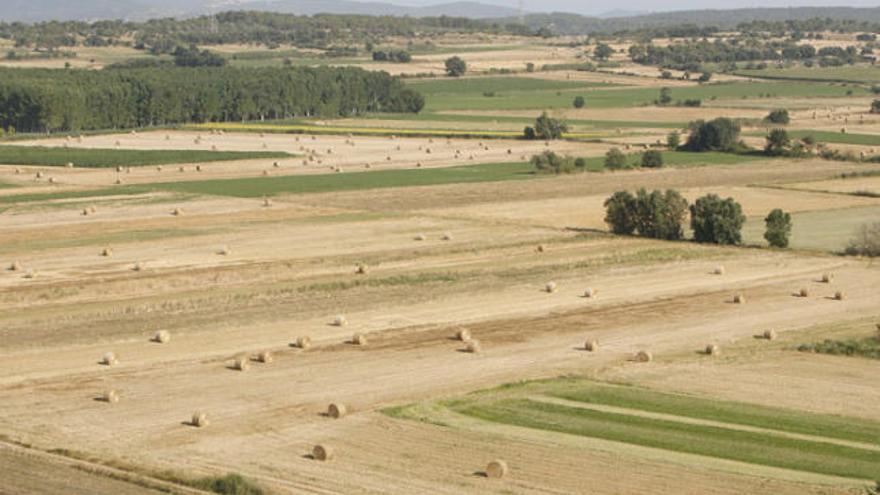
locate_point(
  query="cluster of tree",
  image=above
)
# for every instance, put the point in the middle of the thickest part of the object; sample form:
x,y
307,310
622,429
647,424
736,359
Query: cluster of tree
x,y
691,55
399,56
779,116
618,160
549,162
267,28
193,57
721,134
546,128
39,100
662,214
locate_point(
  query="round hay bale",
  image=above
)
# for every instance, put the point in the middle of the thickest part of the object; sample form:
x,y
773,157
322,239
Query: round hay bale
x,y
420,237
162,337
138,266
69,165
541,248
304,342
447,236
827,278
770,334
242,363
30,273
265,357
550,287
362,269
719,270
340,321
644,357
110,397
463,335
322,453
15,266
109,359
589,293
267,202
39,175
177,212
713,350
591,345
337,411
497,469
359,339
739,299
839,296
804,292
199,419
473,346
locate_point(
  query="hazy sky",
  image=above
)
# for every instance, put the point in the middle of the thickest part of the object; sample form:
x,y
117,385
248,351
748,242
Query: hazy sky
x,y
593,7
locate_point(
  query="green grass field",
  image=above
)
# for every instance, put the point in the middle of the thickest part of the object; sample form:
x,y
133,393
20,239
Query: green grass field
x,y
104,158
682,159
299,184
854,73
444,95
738,431
826,230
577,124
838,137
90,193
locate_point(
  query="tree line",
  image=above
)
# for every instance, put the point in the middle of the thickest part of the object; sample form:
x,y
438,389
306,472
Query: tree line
x,y
44,100
267,28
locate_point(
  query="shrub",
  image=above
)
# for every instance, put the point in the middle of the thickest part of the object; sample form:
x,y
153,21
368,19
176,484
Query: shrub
x,y
615,160
231,484
456,67
866,242
550,162
579,102
692,103
875,106
652,159
716,220
778,117
778,230
705,77
778,142
721,134
620,213
529,133
580,164
673,140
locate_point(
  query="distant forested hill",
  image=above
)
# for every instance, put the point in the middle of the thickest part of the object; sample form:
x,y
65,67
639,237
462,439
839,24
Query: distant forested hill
x,y
562,23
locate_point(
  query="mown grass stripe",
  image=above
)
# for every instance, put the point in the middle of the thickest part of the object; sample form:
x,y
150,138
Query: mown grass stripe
x,y
787,453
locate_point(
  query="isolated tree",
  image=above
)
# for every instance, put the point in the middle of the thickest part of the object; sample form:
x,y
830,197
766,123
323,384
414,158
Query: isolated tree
x,y
652,159
579,102
778,229
721,134
620,213
456,67
548,128
673,140
718,221
665,97
779,116
603,52
778,142
615,159
875,106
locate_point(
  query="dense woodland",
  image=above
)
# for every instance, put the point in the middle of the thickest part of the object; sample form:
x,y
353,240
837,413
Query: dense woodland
x,y
42,100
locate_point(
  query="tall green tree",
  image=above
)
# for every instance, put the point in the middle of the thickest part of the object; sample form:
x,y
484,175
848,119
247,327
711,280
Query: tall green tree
x,y
717,221
778,229
456,67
